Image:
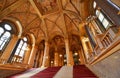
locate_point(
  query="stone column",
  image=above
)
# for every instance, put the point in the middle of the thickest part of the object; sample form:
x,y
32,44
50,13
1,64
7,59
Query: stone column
x,y
60,60
89,47
71,58
8,50
36,61
32,55
48,61
56,58
41,58
27,55
90,36
69,63
81,57
46,53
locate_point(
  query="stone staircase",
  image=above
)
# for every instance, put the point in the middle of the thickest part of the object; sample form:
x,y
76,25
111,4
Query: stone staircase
x,y
79,71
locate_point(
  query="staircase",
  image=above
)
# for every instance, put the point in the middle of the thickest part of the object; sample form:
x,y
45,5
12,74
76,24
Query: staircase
x,y
82,72
79,71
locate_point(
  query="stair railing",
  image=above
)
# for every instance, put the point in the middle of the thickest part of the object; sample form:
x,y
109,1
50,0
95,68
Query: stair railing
x,y
108,39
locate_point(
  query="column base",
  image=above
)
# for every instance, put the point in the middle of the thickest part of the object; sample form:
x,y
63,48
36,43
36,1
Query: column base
x,y
69,65
42,66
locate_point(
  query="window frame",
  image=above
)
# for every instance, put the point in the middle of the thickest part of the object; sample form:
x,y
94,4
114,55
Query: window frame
x,y
6,33
104,18
22,46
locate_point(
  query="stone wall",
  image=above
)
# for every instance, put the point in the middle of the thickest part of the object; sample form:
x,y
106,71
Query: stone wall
x,y
107,68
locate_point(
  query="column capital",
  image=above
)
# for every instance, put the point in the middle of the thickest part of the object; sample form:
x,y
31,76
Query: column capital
x,y
46,43
66,40
35,46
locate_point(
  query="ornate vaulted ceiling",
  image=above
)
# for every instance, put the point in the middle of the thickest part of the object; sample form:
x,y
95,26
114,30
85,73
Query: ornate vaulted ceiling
x,y
52,20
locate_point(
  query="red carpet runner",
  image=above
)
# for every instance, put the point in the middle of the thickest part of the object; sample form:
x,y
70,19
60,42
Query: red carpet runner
x,y
81,71
47,73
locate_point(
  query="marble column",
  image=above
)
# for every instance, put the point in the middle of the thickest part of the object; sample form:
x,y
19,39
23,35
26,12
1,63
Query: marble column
x,y
91,37
60,63
36,61
32,55
68,55
48,61
46,54
41,58
56,58
27,55
71,58
81,57
8,50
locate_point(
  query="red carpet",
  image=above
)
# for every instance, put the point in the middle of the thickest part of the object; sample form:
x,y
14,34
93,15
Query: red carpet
x,y
81,71
47,73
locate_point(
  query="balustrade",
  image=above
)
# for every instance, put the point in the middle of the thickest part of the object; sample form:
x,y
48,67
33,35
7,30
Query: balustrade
x,y
107,40
16,59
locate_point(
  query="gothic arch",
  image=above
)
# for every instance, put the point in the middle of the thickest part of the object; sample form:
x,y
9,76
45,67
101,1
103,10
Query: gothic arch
x,y
16,23
55,34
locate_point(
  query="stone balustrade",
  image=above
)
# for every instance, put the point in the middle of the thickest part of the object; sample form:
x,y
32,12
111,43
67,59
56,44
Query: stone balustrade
x,y
109,39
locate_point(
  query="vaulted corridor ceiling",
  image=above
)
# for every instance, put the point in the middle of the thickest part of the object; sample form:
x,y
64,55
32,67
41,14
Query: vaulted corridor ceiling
x,y
49,20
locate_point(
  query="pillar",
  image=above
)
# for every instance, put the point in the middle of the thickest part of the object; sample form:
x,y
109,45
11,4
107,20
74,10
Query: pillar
x,y
27,55
85,47
90,35
46,54
71,58
41,58
48,61
81,57
60,60
32,55
8,50
56,58
36,60
68,54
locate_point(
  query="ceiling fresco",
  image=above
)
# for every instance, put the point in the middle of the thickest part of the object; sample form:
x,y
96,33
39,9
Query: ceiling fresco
x,y
47,6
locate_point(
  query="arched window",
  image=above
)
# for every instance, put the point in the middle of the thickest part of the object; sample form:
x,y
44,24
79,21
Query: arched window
x,y
94,4
5,35
103,19
20,50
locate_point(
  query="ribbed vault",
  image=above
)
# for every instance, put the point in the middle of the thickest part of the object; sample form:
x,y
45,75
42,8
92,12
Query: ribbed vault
x,y
49,21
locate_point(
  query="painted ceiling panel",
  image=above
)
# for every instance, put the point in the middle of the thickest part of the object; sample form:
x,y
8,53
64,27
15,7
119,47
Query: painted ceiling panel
x,y
47,6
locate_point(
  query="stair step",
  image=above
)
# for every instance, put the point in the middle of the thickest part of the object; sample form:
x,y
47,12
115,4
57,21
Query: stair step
x,y
79,71
65,72
82,72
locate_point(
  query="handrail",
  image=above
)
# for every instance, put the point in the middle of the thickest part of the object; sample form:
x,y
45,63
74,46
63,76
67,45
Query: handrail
x,y
13,65
110,39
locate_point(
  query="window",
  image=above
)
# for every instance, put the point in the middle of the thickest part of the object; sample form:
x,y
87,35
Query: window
x,y
94,4
5,35
102,19
21,48
97,12
105,23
